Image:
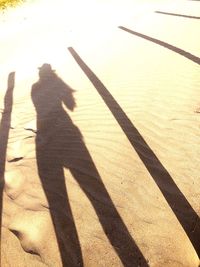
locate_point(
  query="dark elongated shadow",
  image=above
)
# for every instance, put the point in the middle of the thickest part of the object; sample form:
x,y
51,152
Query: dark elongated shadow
x,y
178,15
164,44
173,195
4,134
59,144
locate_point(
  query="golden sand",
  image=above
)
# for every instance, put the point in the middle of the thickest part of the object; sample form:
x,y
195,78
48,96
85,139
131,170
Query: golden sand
x,y
99,134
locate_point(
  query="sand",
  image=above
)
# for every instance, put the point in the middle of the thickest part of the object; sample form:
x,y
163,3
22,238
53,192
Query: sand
x,y
99,133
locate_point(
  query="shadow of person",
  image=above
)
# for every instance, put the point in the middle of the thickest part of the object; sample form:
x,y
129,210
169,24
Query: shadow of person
x,y
59,144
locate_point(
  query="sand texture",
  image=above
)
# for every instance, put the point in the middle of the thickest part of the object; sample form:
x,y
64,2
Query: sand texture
x,y
99,134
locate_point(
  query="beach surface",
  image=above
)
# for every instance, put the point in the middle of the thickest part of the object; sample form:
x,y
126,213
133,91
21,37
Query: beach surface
x,y
99,133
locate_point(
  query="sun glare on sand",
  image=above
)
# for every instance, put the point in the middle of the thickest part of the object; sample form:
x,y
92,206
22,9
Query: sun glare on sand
x,y
6,3
77,22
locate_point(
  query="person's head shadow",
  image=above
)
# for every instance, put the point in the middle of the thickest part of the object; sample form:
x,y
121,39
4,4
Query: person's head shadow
x,y
50,92
45,71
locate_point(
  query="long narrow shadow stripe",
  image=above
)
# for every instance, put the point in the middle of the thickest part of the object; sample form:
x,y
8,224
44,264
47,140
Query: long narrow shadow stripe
x,y
132,244
177,15
164,44
173,195
4,133
5,122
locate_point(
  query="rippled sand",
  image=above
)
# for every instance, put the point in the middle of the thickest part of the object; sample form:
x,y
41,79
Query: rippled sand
x,y
100,145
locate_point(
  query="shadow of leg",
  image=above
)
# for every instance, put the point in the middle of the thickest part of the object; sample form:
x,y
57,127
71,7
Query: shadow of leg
x,y
111,221
52,177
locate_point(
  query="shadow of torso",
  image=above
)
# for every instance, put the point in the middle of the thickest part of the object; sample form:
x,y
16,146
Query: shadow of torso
x,y
57,136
